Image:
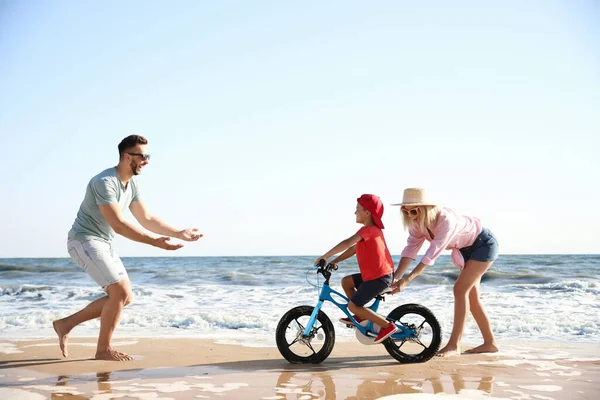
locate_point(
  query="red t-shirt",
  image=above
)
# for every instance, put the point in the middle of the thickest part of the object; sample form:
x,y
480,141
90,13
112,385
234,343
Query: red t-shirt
x,y
374,258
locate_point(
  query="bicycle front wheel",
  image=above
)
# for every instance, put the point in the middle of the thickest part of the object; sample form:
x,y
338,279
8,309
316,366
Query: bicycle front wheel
x,y
304,350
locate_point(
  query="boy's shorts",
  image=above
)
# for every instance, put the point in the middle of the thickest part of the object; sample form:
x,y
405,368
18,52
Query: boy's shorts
x,y
366,291
98,259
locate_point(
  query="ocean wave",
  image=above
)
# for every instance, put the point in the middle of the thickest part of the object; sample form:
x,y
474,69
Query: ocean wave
x,y
449,277
442,278
534,278
12,290
34,269
217,312
231,296
548,262
565,286
48,293
240,278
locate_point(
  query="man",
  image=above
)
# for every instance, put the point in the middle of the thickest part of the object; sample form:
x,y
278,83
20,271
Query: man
x,y
89,243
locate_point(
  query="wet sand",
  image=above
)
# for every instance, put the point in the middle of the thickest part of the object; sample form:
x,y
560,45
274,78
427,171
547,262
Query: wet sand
x,y
204,369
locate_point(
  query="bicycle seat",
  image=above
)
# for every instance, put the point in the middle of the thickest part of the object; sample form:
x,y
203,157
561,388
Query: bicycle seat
x,y
386,291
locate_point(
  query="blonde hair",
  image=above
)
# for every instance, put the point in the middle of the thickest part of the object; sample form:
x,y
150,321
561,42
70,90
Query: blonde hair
x,y
427,217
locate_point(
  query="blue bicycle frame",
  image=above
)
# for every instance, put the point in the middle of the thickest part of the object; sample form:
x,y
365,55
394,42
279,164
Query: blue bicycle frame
x,y
325,295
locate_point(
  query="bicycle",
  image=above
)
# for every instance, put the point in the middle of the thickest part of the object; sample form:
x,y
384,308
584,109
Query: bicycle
x,y
302,328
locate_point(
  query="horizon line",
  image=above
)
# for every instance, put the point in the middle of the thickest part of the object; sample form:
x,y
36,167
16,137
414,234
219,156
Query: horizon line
x,y
304,255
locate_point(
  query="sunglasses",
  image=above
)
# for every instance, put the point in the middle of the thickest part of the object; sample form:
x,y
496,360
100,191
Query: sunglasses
x,y
145,157
412,211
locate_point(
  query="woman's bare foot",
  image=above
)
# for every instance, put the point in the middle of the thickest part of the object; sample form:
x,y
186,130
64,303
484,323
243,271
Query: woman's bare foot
x,y
111,354
63,336
125,356
448,351
484,348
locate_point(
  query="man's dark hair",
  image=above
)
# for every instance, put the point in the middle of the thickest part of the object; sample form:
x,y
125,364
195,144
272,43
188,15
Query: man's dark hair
x,y
129,142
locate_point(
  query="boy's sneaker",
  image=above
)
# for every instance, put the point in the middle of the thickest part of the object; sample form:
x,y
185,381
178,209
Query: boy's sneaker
x,y
385,333
348,321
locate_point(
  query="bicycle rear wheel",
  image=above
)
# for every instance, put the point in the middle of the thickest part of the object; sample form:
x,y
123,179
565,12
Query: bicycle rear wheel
x,y
428,332
304,350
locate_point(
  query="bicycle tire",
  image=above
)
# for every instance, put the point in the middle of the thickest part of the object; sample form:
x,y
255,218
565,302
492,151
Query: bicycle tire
x,y
284,328
428,352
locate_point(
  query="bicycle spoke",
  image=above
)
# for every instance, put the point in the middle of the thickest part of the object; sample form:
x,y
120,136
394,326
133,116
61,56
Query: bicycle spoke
x,y
302,338
417,325
416,340
300,335
300,325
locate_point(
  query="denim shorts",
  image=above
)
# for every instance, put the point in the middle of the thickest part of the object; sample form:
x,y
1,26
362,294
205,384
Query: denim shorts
x,y
98,259
484,248
366,291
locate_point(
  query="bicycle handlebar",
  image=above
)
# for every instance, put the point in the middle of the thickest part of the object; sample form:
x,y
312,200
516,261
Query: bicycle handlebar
x,y
327,267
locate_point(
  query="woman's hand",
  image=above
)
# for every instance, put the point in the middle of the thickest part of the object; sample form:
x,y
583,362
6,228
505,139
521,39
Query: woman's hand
x,y
398,285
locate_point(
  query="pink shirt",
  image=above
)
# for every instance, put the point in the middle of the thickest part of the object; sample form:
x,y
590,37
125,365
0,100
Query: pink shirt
x,y
451,232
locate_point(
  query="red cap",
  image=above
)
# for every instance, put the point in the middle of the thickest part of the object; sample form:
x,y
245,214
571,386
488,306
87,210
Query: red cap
x,y
372,204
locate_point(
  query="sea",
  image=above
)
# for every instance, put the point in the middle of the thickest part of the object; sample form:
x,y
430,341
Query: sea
x,y
241,299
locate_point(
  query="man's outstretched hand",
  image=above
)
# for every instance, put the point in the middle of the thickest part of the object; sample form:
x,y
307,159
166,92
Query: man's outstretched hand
x,y
163,243
190,235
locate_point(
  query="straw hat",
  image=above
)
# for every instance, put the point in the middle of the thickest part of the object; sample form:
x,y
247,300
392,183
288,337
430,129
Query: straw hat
x,y
415,197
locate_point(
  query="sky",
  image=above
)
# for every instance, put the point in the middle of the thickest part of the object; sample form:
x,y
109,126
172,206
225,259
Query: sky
x,y
267,119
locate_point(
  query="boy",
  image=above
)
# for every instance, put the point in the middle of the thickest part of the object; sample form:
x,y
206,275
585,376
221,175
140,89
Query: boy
x,y
374,261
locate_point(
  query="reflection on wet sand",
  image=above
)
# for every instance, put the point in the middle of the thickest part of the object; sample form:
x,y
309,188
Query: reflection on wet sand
x,y
103,386
298,384
484,384
289,385
294,385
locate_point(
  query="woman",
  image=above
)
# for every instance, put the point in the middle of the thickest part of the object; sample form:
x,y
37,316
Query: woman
x,y
474,249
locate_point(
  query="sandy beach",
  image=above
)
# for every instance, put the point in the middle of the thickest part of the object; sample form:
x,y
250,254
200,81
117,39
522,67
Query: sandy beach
x,y
204,369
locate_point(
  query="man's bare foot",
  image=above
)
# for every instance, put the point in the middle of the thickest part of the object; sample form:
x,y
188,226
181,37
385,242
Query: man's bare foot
x,y
111,354
484,348
448,352
63,336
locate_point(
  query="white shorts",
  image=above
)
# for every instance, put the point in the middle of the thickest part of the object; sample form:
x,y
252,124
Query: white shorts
x,y
98,259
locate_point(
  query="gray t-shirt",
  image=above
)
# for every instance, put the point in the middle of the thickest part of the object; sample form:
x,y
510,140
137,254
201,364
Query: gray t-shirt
x,y
104,188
